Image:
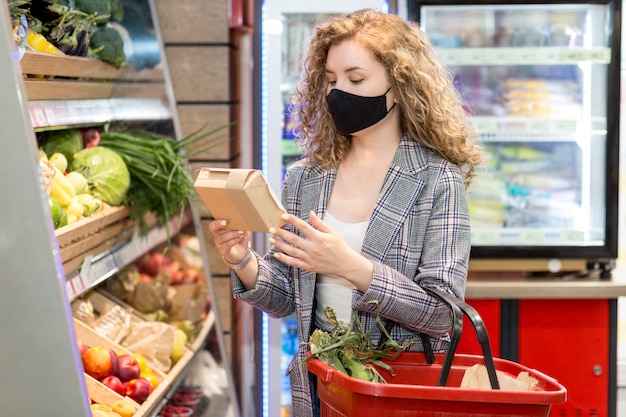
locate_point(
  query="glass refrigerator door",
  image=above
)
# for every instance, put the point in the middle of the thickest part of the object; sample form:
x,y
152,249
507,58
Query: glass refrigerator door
x,y
287,26
541,83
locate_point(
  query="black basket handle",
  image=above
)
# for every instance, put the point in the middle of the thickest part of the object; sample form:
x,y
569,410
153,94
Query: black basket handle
x,y
458,308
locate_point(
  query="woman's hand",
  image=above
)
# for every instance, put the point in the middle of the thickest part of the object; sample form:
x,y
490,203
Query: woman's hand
x,y
231,244
321,250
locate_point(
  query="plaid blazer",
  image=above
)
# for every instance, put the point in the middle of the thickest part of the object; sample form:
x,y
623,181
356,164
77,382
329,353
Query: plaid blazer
x,y
418,236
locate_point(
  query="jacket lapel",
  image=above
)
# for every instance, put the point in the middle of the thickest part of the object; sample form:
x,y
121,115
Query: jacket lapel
x,y
400,190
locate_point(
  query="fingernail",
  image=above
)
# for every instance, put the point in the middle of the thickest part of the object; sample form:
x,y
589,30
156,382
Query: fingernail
x,y
223,223
313,213
276,255
272,240
240,232
285,217
272,230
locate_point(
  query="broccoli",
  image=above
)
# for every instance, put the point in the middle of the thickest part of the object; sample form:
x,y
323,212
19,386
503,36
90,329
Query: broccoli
x,y
106,44
99,9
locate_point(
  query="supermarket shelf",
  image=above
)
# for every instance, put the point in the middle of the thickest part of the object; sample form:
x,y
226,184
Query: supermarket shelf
x,y
524,55
97,269
62,113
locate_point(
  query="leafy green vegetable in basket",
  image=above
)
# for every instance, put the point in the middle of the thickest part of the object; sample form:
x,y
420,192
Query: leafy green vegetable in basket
x,y
160,181
349,350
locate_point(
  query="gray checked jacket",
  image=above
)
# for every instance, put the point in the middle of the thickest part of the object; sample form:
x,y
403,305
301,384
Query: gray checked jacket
x,y
418,236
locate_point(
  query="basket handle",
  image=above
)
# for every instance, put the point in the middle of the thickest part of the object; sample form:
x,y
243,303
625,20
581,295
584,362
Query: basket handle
x,y
460,307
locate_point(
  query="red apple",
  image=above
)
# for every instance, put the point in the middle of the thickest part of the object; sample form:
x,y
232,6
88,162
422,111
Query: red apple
x,y
174,271
114,383
137,389
190,276
128,368
145,277
82,347
100,362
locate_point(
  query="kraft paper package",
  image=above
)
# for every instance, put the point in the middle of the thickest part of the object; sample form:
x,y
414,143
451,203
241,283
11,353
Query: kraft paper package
x,y
241,196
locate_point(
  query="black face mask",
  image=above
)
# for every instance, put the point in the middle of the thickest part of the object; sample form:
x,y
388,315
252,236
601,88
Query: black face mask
x,y
353,113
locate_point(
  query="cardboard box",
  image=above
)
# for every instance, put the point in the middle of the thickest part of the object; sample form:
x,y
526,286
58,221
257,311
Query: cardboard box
x,y
241,196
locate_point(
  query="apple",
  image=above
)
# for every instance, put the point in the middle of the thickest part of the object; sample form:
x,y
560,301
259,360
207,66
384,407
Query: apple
x,y
137,389
100,362
190,276
82,347
153,263
128,368
145,277
114,383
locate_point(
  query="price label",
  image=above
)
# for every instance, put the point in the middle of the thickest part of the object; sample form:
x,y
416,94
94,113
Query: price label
x,y
572,236
50,117
568,126
531,236
538,126
484,125
38,117
485,238
69,289
78,285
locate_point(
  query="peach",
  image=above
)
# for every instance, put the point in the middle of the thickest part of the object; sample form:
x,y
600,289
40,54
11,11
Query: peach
x,y
100,362
123,408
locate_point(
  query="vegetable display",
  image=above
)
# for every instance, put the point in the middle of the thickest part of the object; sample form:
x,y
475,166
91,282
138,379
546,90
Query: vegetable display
x,y
72,27
350,351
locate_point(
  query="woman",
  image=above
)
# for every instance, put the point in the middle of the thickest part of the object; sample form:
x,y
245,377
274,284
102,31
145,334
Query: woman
x,y
377,206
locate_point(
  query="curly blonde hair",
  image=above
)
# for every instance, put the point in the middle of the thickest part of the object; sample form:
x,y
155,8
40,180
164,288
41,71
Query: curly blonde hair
x,y
431,110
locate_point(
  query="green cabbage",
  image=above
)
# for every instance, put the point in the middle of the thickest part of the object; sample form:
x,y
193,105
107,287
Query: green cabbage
x,y
67,142
105,171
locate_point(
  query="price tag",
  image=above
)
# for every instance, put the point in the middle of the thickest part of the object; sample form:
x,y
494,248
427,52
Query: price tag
x,y
531,236
572,236
38,117
485,238
567,126
78,285
538,126
49,114
69,289
485,125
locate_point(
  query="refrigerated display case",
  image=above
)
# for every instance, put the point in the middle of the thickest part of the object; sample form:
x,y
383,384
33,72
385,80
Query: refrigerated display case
x,y
283,32
541,83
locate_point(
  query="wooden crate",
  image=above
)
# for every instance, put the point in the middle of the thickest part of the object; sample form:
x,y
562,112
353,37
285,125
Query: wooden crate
x,y
83,78
64,77
93,235
40,63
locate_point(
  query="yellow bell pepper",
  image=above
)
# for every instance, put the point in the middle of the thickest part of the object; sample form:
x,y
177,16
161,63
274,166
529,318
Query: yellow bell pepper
x,y
62,189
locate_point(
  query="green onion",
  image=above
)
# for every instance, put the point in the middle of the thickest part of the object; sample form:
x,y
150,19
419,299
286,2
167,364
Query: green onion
x,y
160,181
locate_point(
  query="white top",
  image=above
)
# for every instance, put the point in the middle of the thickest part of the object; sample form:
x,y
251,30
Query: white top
x,y
331,290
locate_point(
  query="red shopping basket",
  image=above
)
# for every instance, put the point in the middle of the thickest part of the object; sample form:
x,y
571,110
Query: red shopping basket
x,y
428,385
